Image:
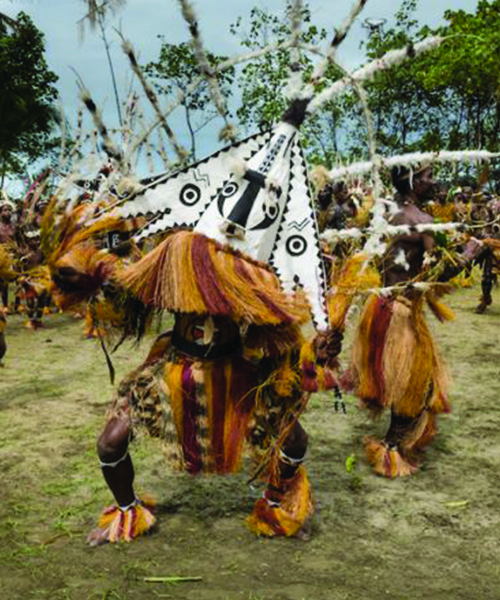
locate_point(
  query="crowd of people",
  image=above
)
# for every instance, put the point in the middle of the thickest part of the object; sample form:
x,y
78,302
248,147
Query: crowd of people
x,y
24,277
466,202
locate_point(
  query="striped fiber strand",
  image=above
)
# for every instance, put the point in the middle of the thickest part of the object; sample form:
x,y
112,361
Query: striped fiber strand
x,y
126,525
212,402
387,462
292,513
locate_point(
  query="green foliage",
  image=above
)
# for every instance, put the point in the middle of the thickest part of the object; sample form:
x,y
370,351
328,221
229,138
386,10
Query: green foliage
x,y
173,74
350,464
27,95
447,98
262,81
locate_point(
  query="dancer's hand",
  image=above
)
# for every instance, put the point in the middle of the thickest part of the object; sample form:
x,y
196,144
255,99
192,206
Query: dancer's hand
x,y
473,249
327,345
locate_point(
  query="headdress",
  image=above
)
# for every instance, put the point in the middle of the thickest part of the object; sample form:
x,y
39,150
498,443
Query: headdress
x,y
4,200
252,197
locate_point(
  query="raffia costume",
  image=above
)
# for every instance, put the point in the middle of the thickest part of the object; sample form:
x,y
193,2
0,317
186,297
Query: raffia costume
x,y
206,402
443,213
395,362
396,366
235,371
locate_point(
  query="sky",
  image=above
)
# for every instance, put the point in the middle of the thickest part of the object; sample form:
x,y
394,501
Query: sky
x,y
141,21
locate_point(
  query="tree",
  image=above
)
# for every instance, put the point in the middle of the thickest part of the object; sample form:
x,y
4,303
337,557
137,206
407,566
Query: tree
x,y
262,81
468,71
174,72
27,95
448,98
399,101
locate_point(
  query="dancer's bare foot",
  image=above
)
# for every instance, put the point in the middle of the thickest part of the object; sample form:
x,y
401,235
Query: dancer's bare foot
x,y
481,308
305,532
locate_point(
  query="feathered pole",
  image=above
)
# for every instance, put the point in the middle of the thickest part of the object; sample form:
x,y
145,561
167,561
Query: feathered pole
x,y
334,235
294,83
130,112
366,73
338,38
415,158
162,152
149,151
109,146
181,152
208,73
223,66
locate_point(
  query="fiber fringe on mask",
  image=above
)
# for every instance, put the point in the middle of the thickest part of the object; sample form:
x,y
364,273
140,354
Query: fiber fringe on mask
x,y
126,525
63,231
38,278
80,273
118,314
190,273
292,513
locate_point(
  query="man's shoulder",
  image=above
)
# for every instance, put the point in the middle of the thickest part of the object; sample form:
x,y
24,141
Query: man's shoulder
x,y
411,215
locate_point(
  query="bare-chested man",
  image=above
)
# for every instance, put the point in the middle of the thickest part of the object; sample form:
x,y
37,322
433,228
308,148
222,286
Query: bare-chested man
x,y
7,225
394,360
405,256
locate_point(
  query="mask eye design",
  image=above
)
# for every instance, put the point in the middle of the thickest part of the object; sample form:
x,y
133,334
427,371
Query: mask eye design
x,y
230,188
190,194
271,213
296,245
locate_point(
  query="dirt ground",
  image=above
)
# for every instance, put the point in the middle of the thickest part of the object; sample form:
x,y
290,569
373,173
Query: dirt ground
x,y
434,536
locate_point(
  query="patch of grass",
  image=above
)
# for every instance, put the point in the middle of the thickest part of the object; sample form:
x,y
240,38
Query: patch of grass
x,y
368,531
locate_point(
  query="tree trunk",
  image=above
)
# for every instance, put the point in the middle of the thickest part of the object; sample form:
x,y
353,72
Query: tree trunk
x,y
191,133
3,171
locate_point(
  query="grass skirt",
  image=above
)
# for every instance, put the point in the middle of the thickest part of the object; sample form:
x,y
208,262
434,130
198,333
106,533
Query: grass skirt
x,y
397,366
